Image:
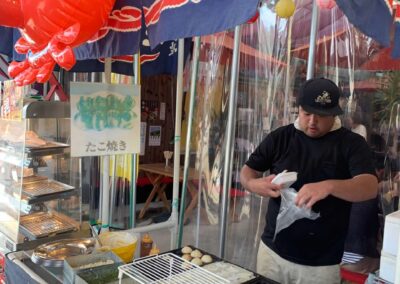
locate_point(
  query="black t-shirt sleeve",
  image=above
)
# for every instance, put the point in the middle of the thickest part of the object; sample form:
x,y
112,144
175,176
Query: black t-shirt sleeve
x,y
359,156
261,159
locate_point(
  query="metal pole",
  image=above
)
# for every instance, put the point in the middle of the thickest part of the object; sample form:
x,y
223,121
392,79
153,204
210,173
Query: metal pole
x,y
105,212
132,202
177,141
313,40
286,111
195,64
230,135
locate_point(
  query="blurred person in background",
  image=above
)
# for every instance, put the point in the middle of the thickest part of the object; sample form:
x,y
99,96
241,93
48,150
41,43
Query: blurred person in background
x,y
355,124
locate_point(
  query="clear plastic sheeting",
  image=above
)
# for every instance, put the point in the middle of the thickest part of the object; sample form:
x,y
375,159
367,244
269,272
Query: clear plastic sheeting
x,y
273,65
289,212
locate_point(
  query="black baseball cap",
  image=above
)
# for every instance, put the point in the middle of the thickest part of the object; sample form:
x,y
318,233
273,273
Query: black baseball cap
x,y
320,96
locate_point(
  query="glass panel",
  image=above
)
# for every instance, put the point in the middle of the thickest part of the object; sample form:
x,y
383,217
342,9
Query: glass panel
x,y
39,183
12,158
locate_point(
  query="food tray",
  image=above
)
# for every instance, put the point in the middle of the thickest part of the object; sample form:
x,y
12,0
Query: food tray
x,y
99,260
34,178
45,187
235,274
168,268
54,253
51,148
101,275
43,224
257,279
49,145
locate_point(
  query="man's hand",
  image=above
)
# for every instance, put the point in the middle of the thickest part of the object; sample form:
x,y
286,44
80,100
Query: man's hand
x,y
263,186
253,182
311,193
356,189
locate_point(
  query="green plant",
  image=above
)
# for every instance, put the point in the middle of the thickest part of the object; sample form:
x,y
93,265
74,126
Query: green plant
x,y
387,97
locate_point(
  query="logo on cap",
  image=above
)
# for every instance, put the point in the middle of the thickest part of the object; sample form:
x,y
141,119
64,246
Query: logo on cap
x,y
324,98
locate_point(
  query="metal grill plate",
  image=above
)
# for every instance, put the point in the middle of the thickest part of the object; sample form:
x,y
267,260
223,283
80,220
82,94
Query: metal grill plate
x,y
45,187
43,224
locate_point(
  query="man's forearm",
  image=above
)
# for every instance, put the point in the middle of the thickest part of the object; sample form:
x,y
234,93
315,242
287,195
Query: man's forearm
x,y
356,189
246,175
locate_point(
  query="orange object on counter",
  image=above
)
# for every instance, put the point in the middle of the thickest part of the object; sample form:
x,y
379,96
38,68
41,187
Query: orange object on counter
x,y
146,245
154,250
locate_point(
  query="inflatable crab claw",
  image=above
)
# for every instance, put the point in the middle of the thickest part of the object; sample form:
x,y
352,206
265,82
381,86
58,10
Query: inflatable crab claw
x,y
38,66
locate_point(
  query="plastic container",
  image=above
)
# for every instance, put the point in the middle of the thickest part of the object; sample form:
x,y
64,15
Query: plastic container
x,y
75,264
121,243
98,275
146,245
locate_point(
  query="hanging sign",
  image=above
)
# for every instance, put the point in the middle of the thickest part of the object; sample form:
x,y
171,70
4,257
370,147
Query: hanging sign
x,y
105,119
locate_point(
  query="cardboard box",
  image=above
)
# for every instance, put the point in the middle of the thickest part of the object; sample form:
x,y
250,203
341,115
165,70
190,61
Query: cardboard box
x,y
387,269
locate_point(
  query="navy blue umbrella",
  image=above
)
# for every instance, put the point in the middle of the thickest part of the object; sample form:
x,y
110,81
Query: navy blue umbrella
x,y
375,19
151,26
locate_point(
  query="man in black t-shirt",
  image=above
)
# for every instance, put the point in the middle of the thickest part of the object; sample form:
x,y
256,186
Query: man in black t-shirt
x,y
334,168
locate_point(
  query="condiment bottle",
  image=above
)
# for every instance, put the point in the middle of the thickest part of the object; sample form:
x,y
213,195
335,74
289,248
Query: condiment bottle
x,y
145,245
154,250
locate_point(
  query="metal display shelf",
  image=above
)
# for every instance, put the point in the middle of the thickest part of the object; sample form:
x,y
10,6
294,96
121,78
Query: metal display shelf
x,y
51,148
34,157
44,224
46,187
37,189
52,196
12,156
168,268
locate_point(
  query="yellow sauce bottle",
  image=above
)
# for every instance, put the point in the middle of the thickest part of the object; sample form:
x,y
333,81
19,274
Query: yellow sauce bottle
x,y
145,245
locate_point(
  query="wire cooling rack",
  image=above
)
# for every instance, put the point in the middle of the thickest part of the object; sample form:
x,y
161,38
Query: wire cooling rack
x,y
168,268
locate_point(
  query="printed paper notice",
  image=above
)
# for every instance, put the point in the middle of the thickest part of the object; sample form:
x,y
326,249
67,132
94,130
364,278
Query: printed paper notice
x,y
154,135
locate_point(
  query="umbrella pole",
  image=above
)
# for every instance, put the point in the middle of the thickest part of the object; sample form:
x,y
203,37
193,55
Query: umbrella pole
x,y
193,81
313,39
177,142
230,136
134,161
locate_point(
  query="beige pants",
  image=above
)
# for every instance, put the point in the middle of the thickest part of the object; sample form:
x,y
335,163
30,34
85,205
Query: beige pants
x,y
274,267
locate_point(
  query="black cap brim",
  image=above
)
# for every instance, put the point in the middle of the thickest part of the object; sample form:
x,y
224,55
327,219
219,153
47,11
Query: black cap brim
x,y
328,112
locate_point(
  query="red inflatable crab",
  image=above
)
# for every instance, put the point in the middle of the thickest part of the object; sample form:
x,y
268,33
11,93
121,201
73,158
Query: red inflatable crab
x,y
50,29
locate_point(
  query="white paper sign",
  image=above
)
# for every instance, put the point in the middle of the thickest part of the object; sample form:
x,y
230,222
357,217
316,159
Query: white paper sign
x,y
162,111
105,119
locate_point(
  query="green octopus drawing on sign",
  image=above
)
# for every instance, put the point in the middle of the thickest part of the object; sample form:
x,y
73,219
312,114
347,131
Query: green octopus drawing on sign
x,y
109,112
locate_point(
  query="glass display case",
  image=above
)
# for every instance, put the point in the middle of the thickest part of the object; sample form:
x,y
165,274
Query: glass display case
x,y
39,181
